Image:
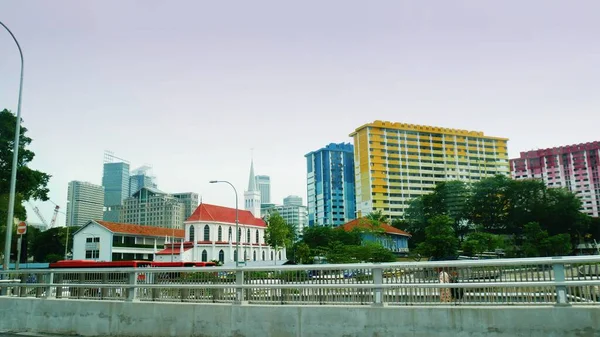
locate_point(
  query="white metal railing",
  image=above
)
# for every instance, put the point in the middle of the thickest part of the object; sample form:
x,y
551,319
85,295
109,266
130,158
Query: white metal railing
x,y
532,281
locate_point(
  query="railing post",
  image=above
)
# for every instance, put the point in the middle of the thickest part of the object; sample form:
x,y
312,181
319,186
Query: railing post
x,y
50,281
561,291
239,282
377,281
132,289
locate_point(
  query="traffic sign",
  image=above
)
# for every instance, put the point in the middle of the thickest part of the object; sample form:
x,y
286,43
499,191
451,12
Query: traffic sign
x,y
22,228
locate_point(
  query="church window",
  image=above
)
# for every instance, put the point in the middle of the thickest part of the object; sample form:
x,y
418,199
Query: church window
x,y
257,236
204,256
248,236
221,255
254,256
192,233
206,233
220,234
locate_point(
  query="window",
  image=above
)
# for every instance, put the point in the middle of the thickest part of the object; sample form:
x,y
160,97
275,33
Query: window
x,y
271,255
206,233
263,255
230,235
92,254
220,234
221,255
248,236
257,239
235,255
254,256
204,256
192,233
280,256
245,255
239,235
92,239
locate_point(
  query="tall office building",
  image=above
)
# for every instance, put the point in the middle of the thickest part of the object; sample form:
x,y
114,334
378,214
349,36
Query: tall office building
x,y
574,167
139,178
330,185
397,162
85,202
263,183
292,200
152,207
115,180
189,201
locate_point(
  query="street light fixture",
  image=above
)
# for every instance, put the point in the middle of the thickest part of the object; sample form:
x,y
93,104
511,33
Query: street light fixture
x,y
237,222
13,176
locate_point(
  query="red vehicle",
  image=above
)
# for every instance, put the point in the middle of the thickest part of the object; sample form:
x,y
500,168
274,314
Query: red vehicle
x,y
98,264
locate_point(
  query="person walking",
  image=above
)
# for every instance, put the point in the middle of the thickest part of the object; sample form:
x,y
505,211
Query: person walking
x,y
445,293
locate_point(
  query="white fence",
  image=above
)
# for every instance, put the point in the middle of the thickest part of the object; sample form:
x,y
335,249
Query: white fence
x,y
534,281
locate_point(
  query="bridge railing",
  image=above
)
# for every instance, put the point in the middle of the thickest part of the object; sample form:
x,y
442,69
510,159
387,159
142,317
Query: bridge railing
x,y
531,281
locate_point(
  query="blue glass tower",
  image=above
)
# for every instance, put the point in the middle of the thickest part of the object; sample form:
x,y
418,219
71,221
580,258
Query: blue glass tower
x,y
330,185
115,181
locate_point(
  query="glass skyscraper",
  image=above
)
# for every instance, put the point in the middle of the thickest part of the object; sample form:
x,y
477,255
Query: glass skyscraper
x,y
115,181
84,203
263,183
330,185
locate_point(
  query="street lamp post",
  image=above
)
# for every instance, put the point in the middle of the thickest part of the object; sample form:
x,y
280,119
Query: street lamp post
x,y
237,222
13,177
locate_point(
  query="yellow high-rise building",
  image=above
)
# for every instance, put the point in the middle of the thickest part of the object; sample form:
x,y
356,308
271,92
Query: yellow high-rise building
x,y
397,162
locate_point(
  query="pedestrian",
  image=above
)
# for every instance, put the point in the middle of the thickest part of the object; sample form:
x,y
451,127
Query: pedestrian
x,y
445,293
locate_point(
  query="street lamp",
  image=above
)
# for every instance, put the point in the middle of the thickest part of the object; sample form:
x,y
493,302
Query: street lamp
x,y
237,222
13,177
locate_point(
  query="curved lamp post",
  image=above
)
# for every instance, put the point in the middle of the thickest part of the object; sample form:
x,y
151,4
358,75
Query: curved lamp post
x,y
13,177
237,222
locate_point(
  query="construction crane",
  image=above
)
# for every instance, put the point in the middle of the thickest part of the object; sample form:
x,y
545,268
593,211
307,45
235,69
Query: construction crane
x,y
39,214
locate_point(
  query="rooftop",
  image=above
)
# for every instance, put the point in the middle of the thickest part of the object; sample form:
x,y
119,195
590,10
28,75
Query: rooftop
x,y
363,223
133,229
423,128
214,213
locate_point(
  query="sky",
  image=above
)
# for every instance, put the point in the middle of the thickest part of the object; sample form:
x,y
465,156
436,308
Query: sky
x,y
191,87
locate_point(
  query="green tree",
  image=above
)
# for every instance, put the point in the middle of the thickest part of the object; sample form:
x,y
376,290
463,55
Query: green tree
x,y
440,238
488,204
537,242
278,234
479,242
51,243
302,253
31,184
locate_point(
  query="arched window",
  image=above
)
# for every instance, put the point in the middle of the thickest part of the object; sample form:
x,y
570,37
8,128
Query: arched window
x,y
192,233
245,255
235,255
204,256
263,255
239,238
257,240
220,234
230,237
254,256
221,255
206,233
248,236
271,256
279,258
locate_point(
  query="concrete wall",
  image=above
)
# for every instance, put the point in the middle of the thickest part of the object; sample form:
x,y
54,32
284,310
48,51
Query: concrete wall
x,y
102,318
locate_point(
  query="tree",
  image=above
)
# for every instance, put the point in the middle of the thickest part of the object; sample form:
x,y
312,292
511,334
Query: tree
x,y
440,238
480,242
278,234
31,184
47,245
489,203
537,242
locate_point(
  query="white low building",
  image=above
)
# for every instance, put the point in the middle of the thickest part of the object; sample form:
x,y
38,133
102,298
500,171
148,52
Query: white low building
x,y
111,241
209,236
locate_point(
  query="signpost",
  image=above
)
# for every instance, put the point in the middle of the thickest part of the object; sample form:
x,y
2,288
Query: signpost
x,y
21,230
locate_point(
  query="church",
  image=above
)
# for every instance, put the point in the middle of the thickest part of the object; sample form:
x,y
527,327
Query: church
x,y
209,234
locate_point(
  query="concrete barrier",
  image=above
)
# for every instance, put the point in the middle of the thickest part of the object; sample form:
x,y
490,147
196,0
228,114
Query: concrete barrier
x,y
147,319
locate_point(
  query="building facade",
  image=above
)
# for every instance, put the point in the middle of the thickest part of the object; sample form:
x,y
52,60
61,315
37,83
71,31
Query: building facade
x,y
209,235
115,180
252,194
330,185
189,200
263,183
110,241
292,200
152,207
397,162
85,202
139,178
294,215
574,167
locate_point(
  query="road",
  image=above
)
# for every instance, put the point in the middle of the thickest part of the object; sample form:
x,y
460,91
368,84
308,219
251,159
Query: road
x,y
29,334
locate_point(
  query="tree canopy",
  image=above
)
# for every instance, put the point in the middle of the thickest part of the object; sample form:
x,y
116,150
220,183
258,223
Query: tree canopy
x,y
31,184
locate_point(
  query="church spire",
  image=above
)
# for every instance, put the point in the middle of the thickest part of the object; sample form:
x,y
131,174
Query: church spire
x,y
252,179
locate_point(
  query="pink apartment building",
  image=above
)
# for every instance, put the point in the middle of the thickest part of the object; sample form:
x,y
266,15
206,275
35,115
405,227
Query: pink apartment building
x,y
574,167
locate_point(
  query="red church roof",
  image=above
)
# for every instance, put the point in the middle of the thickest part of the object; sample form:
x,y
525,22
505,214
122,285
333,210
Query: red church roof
x,y
365,224
208,212
126,228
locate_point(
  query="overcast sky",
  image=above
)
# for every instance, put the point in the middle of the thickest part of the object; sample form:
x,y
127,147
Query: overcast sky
x,y
191,86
